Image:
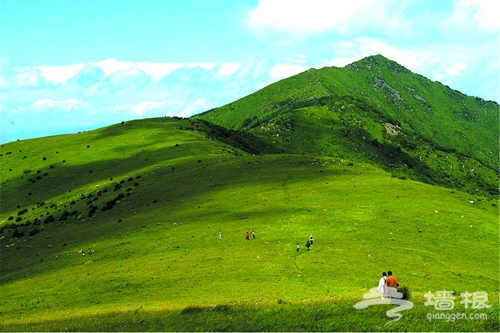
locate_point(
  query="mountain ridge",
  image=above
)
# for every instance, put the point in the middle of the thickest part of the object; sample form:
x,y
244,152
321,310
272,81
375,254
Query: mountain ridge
x,y
375,103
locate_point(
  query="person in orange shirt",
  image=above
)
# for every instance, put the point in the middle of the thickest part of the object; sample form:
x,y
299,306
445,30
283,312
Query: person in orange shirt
x,y
392,284
391,280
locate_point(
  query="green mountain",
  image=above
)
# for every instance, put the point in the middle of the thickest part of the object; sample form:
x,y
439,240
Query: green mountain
x,y
164,204
377,111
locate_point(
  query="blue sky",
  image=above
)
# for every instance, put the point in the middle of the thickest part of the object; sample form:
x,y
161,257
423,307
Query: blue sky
x,y
67,66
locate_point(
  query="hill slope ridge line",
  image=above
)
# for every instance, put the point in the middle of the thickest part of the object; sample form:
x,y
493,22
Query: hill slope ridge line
x,y
437,134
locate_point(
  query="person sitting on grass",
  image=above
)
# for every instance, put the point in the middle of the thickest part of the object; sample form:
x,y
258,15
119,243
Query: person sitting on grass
x,y
392,285
381,285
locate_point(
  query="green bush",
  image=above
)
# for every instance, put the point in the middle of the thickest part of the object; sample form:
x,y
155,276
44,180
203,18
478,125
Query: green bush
x,y
405,291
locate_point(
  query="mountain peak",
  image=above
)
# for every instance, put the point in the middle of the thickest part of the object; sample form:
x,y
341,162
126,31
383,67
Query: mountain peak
x,y
376,58
377,61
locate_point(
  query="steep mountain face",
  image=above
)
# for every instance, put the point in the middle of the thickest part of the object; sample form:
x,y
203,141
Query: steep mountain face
x,y
377,111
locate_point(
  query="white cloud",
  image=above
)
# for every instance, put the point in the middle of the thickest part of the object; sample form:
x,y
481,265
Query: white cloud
x,y
300,16
26,78
227,69
156,70
68,104
299,59
281,71
304,18
58,74
4,84
140,109
110,66
483,13
36,75
199,105
19,110
454,70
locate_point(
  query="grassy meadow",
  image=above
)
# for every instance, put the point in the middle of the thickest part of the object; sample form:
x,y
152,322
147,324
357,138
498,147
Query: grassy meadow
x,y
149,197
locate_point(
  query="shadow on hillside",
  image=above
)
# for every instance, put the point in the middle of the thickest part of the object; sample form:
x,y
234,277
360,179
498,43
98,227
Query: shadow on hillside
x,y
64,178
403,155
160,189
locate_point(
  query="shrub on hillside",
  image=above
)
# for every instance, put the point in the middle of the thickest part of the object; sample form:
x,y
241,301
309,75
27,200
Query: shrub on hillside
x,y
64,216
17,234
92,210
405,291
49,219
192,309
34,232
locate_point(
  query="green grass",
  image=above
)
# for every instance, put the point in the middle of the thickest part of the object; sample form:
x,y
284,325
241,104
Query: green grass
x,y
305,316
159,265
442,137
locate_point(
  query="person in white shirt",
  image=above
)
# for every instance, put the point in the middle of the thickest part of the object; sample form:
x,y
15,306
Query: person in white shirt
x,y
381,285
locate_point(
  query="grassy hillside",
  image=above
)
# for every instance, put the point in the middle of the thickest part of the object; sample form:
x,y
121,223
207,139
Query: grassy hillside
x,y
377,111
149,198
